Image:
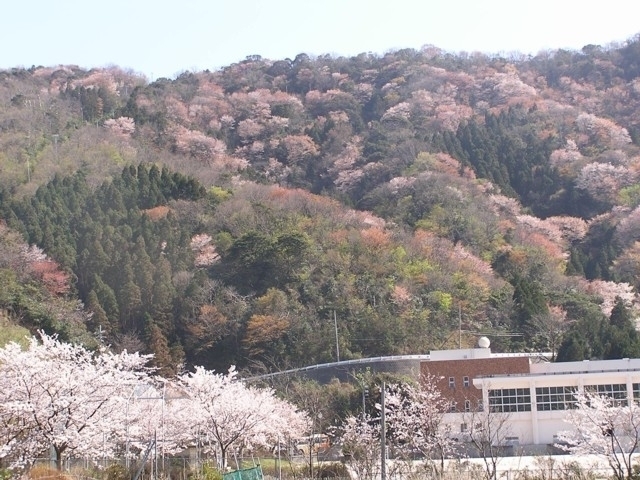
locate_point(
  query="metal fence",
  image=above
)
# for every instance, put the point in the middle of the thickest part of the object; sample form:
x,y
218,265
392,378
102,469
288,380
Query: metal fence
x,y
253,473
184,468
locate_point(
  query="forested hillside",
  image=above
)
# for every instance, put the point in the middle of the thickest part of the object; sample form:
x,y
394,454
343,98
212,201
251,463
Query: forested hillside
x,y
277,213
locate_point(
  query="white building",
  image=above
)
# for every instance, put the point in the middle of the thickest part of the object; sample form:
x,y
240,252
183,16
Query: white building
x,y
533,393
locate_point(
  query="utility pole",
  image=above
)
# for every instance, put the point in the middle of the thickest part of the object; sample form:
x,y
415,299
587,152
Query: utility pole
x,y
335,326
365,393
55,146
28,155
459,327
364,390
383,439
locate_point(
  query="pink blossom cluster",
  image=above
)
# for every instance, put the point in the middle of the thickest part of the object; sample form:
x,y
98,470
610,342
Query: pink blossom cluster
x,y
603,180
473,263
98,79
299,147
507,87
123,126
439,108
628,228
401,295
62,398
549,229
347,158
197,144
502,204
571,228
603,129
567,156
397,184
400,110
609,291
204,249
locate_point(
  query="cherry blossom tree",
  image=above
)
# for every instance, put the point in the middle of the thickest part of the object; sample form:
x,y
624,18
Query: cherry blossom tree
x,y
609,291
156,412
205,250
603,181
197,144
414,424
606,427
299,147
566,158
604,130
628,229
487,430
233,415
123,126
53,277
550,327
415,415
627,266
361,445
62,396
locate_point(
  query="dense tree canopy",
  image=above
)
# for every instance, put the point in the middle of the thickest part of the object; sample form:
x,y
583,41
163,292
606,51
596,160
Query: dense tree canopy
x,y
242,216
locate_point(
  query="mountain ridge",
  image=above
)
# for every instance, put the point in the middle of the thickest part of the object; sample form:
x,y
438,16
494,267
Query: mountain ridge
x,y
402,193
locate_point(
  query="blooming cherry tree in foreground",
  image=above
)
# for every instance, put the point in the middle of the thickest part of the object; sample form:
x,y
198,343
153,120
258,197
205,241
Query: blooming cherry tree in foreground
x,y
62,396
233,415
413,423
361,445
606,427
415,414
155,412
487,432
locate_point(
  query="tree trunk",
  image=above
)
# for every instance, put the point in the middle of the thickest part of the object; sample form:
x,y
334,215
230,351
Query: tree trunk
x,y
223,458
59,451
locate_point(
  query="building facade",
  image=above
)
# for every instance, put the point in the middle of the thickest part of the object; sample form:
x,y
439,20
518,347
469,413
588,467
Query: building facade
x,y
531,393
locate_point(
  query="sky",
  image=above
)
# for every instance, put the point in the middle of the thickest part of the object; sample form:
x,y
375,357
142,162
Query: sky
x,y
164,38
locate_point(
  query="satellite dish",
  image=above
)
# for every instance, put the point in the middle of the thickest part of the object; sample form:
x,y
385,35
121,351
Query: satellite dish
x,y
484,342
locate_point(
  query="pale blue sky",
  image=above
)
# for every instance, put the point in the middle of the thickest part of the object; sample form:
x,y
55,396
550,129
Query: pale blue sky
x,y
166,37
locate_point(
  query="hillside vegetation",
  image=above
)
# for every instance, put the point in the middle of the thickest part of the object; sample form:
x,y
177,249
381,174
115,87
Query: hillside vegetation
x,y
279,213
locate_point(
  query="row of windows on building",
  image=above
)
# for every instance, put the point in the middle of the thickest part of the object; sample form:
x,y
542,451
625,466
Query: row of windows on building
x,y
553,398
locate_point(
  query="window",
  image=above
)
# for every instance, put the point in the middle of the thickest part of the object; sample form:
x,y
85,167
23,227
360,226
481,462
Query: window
x,y
465,381
636,392
511,440
555,398
452,382
510,400
463,427
467,405
453,407
616,392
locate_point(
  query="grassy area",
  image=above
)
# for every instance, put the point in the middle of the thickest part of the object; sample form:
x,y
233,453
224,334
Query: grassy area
x,y
10,332
295,468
